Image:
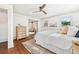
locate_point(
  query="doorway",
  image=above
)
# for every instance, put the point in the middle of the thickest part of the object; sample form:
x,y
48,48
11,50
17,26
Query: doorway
x,y
33,26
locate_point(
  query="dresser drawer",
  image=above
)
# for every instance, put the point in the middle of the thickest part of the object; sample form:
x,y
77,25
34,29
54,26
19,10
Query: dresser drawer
x,y
20,32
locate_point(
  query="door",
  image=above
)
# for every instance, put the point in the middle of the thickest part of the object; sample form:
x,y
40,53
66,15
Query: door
x,y
3,29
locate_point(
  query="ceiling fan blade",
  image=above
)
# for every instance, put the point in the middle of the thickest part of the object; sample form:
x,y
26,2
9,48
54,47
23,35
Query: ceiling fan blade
x,y
44,12
43,6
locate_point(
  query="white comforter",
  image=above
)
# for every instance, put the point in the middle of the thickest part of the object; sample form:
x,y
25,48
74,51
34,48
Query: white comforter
x,y
58,40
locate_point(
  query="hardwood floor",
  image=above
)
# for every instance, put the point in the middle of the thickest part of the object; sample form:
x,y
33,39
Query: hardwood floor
x,y
18,47
3,47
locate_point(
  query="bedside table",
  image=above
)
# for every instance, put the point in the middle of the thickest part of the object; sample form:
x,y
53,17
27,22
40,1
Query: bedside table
x,y
75,47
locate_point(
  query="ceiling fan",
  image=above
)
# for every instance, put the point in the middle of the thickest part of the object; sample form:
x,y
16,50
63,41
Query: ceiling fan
x,y
41,9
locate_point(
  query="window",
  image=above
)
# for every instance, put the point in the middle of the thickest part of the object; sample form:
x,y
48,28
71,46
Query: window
x,y
66,20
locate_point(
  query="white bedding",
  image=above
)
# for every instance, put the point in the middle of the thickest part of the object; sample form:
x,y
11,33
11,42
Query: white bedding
x,y
54,39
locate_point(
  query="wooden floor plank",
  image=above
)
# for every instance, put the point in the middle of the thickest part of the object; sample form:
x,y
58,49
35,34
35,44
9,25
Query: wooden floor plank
x,y
17,49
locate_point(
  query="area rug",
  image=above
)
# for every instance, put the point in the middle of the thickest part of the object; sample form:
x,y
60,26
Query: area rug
x,y
34,48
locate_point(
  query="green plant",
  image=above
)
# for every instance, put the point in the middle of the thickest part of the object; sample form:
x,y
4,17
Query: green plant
x,y
65,23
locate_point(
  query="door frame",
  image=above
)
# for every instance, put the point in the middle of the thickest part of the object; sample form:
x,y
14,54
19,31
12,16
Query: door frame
x,y
9,9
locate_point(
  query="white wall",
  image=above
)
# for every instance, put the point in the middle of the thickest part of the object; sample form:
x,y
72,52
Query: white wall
x,y
9,8
74,19
20,19
3,26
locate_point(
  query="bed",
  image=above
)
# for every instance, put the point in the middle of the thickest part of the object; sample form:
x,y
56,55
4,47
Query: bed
x,y
57,43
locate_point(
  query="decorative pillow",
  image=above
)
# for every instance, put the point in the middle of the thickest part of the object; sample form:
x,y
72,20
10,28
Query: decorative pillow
x,y
72,31
64,30
77,34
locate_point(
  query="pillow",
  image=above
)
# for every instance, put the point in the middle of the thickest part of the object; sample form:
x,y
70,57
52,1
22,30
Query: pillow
x,y
64,30
72,31
77,34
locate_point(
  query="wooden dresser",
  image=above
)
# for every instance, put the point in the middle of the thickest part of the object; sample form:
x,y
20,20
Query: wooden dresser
x,y
20,32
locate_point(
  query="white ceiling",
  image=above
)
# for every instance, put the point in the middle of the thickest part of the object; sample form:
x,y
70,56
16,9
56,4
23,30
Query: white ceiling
x,y
51,9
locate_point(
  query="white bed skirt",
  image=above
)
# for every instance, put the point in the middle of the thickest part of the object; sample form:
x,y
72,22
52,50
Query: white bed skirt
x,y
54,48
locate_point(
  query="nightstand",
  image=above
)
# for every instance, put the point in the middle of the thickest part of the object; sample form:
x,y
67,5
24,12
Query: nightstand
x,y
75,47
